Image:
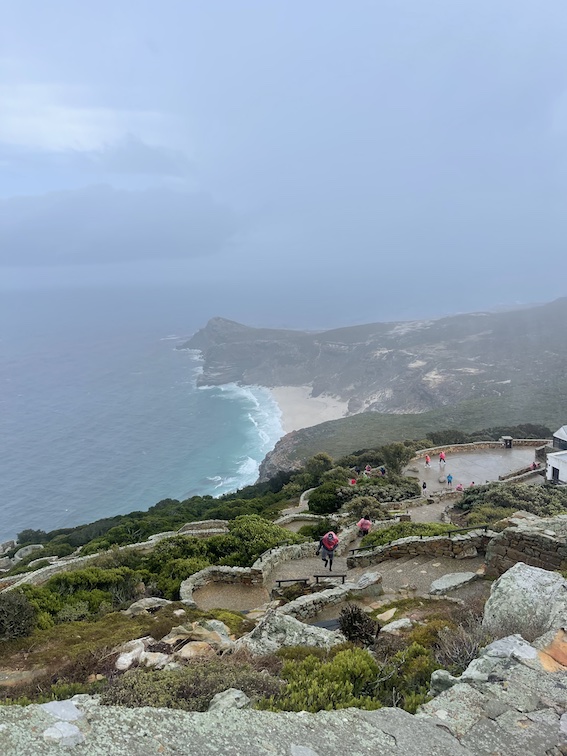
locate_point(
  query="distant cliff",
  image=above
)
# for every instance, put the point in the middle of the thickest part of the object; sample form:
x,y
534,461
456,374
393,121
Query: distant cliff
x,y
408,367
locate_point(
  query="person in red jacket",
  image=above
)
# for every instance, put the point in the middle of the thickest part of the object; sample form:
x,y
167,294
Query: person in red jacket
x,y
328,545
364,525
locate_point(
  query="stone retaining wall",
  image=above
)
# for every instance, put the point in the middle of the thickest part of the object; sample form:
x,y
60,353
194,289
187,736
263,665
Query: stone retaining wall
x,y
270,559
299,517
310,605
457,547
543,546
204,528
224,575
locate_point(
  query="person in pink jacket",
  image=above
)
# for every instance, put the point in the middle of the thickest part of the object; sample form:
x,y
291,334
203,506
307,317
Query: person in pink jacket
x,y
328,545
364,525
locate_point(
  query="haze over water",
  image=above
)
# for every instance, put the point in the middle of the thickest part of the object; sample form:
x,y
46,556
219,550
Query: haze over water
x,y
100,414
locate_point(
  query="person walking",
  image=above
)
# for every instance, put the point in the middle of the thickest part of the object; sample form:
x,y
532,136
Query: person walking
x,y
441,459
328,545
449,481
427,460
364,525
424,488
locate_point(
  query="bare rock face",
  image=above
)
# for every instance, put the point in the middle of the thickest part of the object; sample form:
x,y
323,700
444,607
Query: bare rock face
x,y
277,630
526,600
229,699
510,701
449,582
27,550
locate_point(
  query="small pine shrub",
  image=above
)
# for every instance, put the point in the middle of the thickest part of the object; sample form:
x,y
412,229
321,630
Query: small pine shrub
x,y
17,615
357,626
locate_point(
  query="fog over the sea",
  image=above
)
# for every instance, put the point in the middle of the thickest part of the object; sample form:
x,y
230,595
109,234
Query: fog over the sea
x,y
306,163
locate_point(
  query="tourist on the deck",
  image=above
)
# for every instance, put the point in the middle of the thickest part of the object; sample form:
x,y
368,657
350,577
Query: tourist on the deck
x,y
364,525
424,488
327,547
459,487
427,460
442,458
450,480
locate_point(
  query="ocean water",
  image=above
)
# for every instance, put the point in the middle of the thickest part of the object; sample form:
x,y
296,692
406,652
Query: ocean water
x,y
100,413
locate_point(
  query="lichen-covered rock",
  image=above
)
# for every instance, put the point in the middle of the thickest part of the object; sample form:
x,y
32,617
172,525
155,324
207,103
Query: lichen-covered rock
x,y
145,605
526,600
195,650
451,581
131,652
395,627
27,550
229,699
278,630
64,734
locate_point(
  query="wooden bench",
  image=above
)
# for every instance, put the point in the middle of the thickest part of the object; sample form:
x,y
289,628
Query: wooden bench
x,y
331,575
292,580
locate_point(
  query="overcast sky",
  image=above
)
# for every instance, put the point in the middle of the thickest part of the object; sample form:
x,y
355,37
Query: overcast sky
x,y
364,151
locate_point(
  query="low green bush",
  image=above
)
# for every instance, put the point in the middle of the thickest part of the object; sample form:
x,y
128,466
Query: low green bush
x,y
317,530
495,501
404,530
315,684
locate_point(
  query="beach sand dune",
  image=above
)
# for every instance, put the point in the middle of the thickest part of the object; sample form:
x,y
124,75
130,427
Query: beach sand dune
x,y
301,410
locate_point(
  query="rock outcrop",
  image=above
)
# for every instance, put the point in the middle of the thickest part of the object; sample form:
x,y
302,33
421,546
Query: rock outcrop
x,y
526,600
278,630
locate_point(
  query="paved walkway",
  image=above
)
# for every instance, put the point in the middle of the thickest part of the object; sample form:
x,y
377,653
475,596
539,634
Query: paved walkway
x,y
479,466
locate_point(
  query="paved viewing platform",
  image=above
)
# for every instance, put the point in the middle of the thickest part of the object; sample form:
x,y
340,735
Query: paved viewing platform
x,y
477,466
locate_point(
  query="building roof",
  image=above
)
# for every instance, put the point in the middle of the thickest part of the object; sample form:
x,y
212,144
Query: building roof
x,y
561,456
561,433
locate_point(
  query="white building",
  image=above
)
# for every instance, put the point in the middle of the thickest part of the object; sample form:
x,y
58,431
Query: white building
x,y
556,471
560,438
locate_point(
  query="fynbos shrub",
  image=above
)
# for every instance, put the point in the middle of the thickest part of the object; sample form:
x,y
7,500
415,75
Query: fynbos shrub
x,y
17,615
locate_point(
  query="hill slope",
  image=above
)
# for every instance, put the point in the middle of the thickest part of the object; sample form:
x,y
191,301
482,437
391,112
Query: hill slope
x,y
406,368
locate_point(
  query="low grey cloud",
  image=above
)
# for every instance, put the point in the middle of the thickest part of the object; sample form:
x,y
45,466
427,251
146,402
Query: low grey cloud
x,y
104,225
129,155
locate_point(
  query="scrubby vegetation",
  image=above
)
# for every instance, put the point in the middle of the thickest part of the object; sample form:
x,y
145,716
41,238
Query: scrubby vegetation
x,y
67,628
17,615
496,501
189,688
403,530
354,677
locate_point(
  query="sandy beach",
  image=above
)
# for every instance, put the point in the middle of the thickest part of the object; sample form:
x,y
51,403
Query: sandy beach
x,y
301,410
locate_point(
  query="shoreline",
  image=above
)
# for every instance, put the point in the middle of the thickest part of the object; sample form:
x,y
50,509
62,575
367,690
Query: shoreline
x,y
301,410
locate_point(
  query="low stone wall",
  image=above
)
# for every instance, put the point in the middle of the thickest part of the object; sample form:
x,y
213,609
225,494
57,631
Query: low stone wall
x,y
457,547
299,517
270,559
204,528
456,448
534,541
224,575
309,606
191,527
